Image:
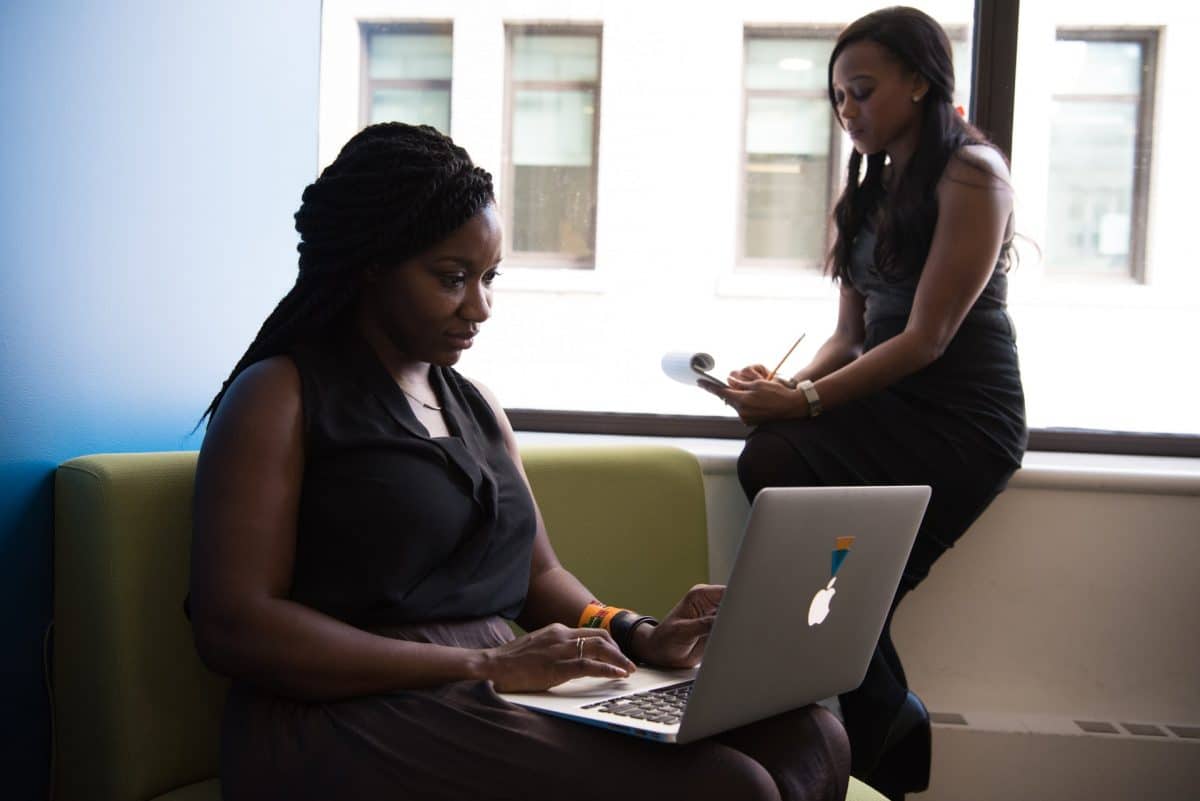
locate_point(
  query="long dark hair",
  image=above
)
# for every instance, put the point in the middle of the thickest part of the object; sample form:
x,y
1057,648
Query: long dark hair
x,y
393,191
909,213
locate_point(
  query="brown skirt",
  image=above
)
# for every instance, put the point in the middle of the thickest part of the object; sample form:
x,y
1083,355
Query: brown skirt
x,y
461,741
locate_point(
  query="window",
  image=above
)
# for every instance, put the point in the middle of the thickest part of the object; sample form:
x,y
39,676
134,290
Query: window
x,y
1104,289
790,144
550,165
1100,152
406,75
718,159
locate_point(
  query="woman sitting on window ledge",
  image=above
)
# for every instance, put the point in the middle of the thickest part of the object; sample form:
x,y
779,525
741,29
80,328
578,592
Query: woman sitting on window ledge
x,y
919,383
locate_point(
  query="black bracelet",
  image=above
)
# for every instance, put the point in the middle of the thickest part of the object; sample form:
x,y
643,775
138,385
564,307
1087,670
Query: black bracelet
x,y
622,627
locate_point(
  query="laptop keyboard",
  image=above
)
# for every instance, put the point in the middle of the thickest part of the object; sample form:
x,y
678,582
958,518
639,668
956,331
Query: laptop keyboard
x,y
660,705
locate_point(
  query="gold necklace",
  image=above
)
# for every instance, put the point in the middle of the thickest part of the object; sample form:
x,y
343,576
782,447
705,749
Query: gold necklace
x,y
428,406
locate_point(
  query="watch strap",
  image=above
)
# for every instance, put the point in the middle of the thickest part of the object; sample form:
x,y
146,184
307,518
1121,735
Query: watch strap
x,y
814,400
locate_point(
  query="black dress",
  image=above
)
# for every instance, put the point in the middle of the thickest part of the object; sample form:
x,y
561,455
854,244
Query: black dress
x,y
429,540
957,425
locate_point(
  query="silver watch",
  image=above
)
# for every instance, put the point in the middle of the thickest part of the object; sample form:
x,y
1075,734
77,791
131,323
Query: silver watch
x,y
814,400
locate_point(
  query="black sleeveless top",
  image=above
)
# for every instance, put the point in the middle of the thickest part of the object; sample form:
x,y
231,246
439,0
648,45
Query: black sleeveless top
x,y
887,297
396,526
974,388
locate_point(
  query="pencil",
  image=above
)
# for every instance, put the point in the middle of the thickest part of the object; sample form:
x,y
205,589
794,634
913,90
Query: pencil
x,y
771,377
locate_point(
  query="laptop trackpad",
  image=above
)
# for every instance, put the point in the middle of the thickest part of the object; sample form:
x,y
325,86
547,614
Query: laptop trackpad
x,y
589,689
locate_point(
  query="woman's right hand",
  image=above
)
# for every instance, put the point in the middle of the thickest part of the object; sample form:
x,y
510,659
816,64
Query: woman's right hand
x,y
554,654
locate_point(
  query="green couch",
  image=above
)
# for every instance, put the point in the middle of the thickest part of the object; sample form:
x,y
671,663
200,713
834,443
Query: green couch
x,y
137,714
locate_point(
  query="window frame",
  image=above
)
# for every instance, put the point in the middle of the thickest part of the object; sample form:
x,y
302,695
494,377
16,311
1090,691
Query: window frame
x,y
1147,38
993,80
538,258
832,174
368,85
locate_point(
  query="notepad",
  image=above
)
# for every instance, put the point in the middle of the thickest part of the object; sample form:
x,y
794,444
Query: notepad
x,y
688,368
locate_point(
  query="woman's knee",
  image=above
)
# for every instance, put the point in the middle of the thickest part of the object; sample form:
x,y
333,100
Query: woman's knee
x,y
833,734
735,776
806,752
768,460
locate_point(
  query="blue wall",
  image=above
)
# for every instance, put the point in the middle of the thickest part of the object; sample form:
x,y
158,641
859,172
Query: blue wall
x,y
151,156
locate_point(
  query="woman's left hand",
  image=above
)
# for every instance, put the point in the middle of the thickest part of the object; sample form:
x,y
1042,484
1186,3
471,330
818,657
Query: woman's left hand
x,y
679,640
758,401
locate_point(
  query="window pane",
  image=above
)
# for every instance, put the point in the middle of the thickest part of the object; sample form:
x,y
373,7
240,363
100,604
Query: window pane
x,y
553,210
409,56
785,182
787,64
555,58
553,127
785,207
1091,186
787,125
962,72
1105,284
553,206
1097,68
414,106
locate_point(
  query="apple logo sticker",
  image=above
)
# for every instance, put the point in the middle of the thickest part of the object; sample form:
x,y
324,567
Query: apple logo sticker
x,y
818,610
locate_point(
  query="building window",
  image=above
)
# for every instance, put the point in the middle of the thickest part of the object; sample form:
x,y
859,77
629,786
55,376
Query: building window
x,y
1100,139
791,146
553,105
406,74
793,150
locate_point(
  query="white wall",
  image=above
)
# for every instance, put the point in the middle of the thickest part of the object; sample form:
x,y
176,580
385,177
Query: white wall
x,y
1074,597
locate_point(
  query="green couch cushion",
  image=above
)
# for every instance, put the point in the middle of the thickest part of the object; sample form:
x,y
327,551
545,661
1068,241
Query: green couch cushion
x,y
628,521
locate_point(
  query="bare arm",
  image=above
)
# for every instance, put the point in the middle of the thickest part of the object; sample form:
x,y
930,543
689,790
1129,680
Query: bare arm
x,y
246,499
974,202
556,597
846,343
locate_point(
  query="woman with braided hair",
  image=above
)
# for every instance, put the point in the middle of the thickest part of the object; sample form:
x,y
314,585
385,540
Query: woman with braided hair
x,y
364,528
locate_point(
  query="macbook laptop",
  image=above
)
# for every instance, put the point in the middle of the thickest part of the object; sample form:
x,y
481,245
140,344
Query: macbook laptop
x,y
810,589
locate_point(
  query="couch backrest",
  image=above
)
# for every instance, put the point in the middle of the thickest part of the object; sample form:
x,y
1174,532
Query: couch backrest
x,y
628,521
137,714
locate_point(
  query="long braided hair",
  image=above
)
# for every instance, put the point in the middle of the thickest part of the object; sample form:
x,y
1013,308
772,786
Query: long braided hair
x,y
393,191
905,227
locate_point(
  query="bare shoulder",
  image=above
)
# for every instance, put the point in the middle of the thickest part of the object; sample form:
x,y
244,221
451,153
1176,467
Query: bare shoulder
x,y
981,166
510,437
264,398
275,378
487,393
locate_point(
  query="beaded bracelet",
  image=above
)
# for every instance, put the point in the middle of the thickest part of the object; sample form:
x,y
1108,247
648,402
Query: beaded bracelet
x,y
598,616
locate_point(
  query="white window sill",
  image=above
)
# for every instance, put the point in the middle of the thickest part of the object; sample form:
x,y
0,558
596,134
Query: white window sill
x,y
577,280
1093,472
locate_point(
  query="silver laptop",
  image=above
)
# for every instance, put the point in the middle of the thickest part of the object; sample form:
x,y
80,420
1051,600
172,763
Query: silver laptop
x,y
806,601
